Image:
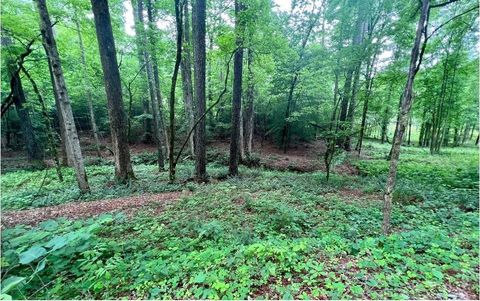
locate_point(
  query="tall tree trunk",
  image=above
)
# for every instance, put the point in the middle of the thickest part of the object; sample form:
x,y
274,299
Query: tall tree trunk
x,y
198,21
34,152
286,127
249,112
178,59
386,117
465,133
113,89
237,90
158,131
72,141
156,79
186,66
369,83
345,99
415,61
52,147
139,39
409,130
66,161
87,88
241,137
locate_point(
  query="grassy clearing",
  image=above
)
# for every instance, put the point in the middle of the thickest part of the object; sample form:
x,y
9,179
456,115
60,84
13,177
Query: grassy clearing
x,y
267,234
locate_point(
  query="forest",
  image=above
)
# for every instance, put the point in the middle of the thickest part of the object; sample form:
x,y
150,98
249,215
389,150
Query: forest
x,y
239,149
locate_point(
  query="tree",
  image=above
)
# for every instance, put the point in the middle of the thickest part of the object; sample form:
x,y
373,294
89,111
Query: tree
x,y
178,59
416,56
249,111
237,90
113,89
72,142
186,70
198,21
34,152
88,91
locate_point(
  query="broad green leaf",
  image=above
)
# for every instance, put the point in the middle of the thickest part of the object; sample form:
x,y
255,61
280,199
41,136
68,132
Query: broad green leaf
x,y
31,254
57,242
10,283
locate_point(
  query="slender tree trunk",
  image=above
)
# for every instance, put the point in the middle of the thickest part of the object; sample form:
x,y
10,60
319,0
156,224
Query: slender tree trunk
x,y
237,91
241,138
409,130
369,81
141,47
52,148
344,104
178,59
249,112
465,133
286,127
386,116
72,141
186,66
415,61
198,21
65,161
113,89
153,90
34,152
88,91
156,80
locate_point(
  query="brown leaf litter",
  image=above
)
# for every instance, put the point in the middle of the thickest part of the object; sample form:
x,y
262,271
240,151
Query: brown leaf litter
x,y
76,210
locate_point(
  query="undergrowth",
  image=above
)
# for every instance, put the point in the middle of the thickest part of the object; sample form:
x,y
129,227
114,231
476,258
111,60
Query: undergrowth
x,y
266,234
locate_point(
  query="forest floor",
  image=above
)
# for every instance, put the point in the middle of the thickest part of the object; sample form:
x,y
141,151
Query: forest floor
x,y
269,233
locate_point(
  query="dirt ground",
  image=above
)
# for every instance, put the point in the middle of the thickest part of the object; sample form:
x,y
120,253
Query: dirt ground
x,y
302,157
76,210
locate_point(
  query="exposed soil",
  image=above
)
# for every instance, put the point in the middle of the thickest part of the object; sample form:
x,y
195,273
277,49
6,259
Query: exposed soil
x,y
303,157
76,210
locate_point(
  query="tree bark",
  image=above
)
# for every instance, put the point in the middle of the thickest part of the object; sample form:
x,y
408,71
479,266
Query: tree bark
x,y
139,34
88,91
178,59
156,79
369,82
249,112
186,68
34,152
72,141
199,16
52,148
66,161
113,89
237,90
415,61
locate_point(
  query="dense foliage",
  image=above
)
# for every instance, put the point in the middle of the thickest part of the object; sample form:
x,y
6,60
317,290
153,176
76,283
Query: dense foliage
x,y
267,234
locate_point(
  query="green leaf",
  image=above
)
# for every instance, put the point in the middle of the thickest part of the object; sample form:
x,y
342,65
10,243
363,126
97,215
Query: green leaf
x,y
5,297
31,254
57,242
287,296
200,278
49,225
357,290
10,283
339,287
40,266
